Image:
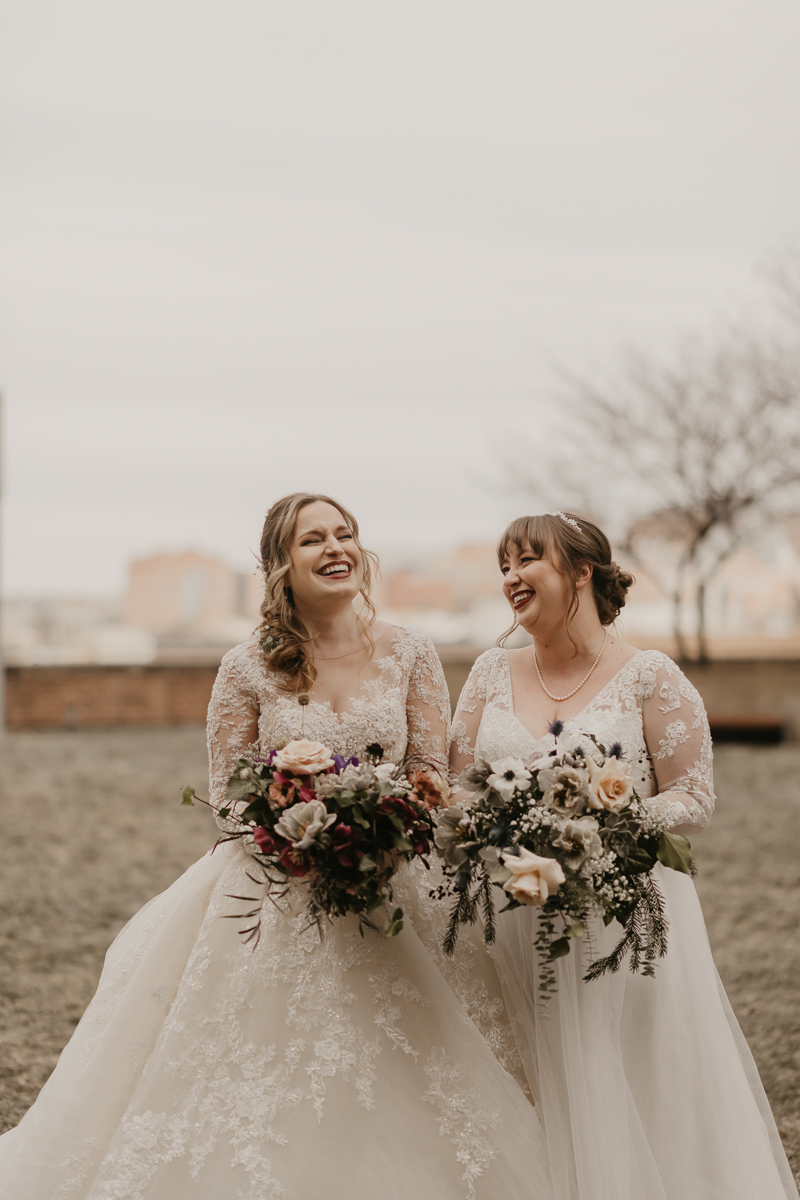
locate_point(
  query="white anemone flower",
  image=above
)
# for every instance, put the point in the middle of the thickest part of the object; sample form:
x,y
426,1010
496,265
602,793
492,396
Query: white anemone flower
x,y
507,775
302,823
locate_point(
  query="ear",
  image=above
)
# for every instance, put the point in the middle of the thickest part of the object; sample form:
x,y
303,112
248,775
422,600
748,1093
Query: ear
x,y
584,575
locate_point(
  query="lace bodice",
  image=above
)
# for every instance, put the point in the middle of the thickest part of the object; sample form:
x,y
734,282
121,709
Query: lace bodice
x,y
403,706
650,707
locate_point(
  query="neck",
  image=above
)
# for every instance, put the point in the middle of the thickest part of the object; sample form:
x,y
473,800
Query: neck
x,y
574,645
334,629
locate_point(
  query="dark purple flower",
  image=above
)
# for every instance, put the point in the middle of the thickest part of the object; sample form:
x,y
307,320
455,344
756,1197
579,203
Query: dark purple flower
x,y
339,763
615,751
557,728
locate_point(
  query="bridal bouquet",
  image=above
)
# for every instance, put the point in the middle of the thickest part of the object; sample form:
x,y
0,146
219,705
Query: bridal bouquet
x,y
568,834
338,825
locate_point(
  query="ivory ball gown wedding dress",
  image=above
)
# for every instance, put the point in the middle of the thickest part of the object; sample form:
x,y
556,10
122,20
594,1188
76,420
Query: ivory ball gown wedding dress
x,y
339,1067
645,1086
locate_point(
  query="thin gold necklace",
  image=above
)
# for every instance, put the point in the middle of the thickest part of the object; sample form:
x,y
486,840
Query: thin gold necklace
x,y
561,699
333,657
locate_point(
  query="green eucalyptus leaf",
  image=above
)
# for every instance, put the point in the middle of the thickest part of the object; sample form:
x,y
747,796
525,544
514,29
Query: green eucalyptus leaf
x,y
188,795
675,851
367,863
576,930
559,948
500,875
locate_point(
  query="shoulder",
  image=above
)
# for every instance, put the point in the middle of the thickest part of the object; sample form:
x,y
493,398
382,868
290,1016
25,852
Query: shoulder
x,y
412,645
488,668
656,672
243,665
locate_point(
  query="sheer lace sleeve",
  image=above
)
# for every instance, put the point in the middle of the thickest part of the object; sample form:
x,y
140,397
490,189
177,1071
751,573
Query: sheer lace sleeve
x,y
679,743
469,711
232,726
428,707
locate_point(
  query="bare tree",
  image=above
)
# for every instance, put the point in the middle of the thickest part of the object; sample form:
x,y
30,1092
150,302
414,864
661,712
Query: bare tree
x,y
701,450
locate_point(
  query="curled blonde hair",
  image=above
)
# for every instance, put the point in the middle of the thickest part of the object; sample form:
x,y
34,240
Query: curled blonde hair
x,y
286,639
572,542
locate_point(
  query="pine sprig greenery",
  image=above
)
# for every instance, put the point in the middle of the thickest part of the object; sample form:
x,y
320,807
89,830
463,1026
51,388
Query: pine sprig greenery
x,y
645,938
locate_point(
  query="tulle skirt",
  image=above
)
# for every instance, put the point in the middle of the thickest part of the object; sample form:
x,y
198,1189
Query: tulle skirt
x,y
342,1066
646,1087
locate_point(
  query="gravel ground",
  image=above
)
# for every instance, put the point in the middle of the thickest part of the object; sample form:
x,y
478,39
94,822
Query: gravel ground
x,y
102,809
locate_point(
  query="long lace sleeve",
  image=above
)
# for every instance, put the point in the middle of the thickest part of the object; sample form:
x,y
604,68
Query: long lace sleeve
x,y
679,743
232,727
428,708
468,714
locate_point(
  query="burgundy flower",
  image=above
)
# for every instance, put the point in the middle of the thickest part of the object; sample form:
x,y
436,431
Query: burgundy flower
x,y
345,844
402,808
265,840
419,841
295,861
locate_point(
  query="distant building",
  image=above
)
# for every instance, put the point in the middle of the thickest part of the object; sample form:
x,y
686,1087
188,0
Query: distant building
x,y
191,599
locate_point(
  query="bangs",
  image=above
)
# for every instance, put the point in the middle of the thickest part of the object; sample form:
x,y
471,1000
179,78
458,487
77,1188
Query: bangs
x,y
535,531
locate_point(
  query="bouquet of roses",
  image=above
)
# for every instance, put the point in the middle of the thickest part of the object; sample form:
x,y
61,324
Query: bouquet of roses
x,y
336,825
568,834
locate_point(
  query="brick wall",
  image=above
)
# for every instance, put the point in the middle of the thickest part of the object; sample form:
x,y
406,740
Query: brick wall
x,y
91,696
72,697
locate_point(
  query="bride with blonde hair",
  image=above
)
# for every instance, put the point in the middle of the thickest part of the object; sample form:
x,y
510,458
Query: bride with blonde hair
x,y
645,1086
341,1065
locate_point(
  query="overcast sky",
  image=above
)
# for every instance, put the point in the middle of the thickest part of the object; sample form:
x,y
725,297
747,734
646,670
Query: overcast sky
x,y
250,246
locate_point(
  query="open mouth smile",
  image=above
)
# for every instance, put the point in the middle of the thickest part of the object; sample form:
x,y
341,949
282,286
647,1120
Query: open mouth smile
x,y
336,570
520,599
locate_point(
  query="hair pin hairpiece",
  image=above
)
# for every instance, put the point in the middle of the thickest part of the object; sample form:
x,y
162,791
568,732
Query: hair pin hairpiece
x,y
570,520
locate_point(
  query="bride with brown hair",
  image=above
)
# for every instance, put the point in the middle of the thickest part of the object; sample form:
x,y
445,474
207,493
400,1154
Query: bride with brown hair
x,y
338,1065
645,1086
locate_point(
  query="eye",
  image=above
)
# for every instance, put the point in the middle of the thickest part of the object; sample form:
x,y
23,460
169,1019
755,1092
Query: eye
x,y
504,570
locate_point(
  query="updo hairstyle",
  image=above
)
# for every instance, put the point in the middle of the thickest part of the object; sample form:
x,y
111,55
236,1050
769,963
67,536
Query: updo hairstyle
x,y
286,640
570,548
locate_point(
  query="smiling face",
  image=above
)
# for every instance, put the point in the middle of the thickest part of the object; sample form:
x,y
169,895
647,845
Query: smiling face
x,y
539,593
326,563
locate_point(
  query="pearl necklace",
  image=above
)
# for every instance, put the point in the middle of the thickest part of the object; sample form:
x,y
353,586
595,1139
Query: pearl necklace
x,y
560,699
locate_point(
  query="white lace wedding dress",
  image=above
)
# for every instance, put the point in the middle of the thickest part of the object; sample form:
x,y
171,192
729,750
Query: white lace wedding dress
x,y
646,1087
344,1068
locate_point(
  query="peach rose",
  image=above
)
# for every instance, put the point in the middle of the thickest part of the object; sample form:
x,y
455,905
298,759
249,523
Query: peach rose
x,y
533,878
610,786
303,758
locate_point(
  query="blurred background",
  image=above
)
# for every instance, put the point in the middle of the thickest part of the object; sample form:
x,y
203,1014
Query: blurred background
x,y
447,261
